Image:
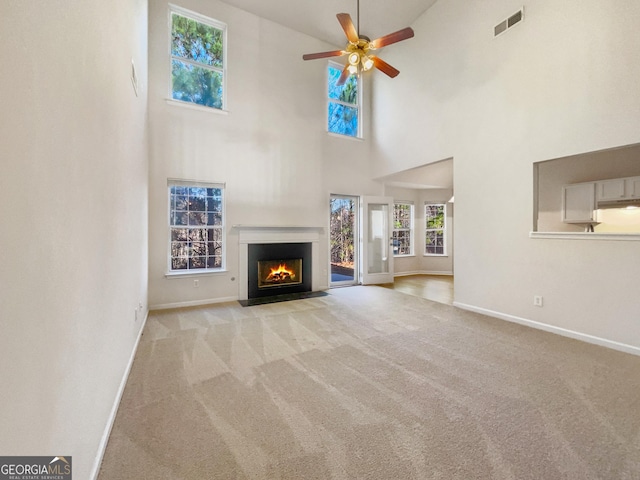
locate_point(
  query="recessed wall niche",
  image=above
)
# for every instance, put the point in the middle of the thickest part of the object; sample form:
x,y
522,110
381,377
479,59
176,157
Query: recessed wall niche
x,y
551,176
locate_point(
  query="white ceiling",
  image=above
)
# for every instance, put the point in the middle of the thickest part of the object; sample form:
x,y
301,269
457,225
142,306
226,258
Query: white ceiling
x,y
318,17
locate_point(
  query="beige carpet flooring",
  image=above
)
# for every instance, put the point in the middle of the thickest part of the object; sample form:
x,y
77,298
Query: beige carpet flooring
x,y
370,383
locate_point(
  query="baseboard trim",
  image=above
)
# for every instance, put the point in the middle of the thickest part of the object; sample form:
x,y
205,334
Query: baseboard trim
x,y
423,272
406,274
603,342
195,303
102,447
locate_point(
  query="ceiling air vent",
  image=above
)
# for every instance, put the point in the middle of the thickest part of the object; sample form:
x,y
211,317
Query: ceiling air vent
x,y
506,24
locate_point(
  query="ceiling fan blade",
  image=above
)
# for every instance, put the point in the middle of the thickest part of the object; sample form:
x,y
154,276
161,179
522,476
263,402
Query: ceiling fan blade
x,y
313,56
394,37
384,67
343,76
348,27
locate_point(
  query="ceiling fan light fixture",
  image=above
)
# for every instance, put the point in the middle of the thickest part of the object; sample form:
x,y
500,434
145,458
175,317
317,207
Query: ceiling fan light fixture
x,y
354,58
367,63
353,69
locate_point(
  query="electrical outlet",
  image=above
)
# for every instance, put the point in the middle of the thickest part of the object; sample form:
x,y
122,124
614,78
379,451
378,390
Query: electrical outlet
x,y
196,283
537,300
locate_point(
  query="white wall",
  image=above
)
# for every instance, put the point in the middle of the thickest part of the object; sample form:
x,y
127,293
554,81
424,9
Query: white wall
x,y
73,204
271,149
562,82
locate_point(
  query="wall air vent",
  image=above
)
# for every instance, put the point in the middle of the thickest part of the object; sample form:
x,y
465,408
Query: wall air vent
x,y
506,24
498,29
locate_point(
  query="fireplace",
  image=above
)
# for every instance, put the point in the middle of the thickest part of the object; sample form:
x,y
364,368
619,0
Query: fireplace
x,y
278,273
278,269
284,242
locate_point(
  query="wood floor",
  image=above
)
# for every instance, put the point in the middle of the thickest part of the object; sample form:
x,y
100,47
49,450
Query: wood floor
x,y
437,288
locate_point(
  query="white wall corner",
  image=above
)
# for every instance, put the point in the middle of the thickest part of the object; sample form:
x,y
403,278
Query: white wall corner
x,y
102,447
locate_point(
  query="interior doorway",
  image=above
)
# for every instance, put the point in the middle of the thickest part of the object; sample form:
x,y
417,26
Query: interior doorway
x,y
344,256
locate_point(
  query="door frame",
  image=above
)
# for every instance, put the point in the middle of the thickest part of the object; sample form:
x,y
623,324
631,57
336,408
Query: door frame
x,y
385,241
356,242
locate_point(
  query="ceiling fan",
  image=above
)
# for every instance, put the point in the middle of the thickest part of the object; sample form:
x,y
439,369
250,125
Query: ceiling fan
x,y
360,47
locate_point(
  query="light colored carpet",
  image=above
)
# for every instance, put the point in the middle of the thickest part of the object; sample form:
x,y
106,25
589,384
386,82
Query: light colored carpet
x,y
370,383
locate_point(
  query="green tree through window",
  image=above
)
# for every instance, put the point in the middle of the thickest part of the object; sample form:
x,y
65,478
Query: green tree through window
x,y
402,229
435,231
342,232
343,107
197,63
196,225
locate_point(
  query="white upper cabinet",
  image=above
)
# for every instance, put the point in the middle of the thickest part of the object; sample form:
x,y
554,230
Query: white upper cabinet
x,y
579,203
610,189
618,189
632,187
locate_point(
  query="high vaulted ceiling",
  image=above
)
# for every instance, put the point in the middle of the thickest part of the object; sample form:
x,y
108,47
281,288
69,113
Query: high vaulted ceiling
x,y
318,17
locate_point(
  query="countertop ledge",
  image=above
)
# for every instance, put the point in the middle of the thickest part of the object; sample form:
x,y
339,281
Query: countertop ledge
x,y
586,236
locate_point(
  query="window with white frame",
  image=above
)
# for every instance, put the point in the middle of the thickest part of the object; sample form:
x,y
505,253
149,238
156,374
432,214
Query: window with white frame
x,y
343,105
196,226
435,228
197,58
402,229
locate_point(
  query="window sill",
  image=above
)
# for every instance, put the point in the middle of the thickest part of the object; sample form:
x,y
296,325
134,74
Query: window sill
x,y
435,255
404,256
348,137
191,273
195,106
585,236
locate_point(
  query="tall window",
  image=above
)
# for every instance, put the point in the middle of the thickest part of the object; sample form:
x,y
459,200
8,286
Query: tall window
x,y
436,229
343,103
196,224
197,58
402,229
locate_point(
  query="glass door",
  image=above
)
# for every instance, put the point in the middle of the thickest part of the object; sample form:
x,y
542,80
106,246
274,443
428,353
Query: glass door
x,y
343,240
377,242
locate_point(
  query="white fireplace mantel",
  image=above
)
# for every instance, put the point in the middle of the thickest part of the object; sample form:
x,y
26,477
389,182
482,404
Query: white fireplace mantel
x,y
248,234
277,233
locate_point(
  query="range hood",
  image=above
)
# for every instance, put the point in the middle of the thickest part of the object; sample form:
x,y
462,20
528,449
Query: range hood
x,y
621,203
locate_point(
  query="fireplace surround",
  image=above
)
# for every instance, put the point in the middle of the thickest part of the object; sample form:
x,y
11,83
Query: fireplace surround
x,y
249,235
279,269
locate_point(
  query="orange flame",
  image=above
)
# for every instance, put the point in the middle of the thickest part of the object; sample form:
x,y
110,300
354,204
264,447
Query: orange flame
x,y
281,273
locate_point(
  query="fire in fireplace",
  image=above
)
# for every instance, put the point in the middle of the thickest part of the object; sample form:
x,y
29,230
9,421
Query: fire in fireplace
x,y
276,269
276,273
